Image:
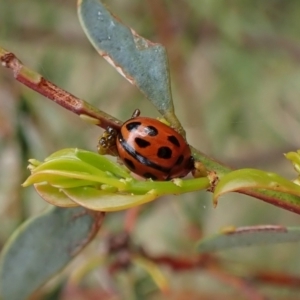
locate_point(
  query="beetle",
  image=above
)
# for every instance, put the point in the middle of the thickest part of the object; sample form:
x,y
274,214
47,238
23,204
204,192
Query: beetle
x,y
150,148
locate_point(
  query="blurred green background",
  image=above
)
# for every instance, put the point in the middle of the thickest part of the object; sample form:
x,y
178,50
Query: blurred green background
x,y
235,80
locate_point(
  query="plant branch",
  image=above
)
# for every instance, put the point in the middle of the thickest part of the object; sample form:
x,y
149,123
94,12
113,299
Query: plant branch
x,y
51,91
88,112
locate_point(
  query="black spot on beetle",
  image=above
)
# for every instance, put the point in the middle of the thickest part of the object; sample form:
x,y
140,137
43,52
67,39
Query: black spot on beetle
x,y
179,160
129,163
149,175
173,139
133,125
151,130
164,152
139,157
141,142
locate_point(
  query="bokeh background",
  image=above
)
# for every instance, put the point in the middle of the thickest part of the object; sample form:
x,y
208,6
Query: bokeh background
x,y
235,69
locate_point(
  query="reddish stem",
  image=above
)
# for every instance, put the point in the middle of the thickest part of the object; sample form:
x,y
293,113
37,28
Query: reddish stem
x,y
44,87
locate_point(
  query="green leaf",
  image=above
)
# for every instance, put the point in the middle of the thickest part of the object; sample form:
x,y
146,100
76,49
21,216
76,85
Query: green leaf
x,y
246,179
72,167
141,62
60,179
249,236
54,195
99,200
102,163
294,157
57,178
91,158
41,247
73,177
69,164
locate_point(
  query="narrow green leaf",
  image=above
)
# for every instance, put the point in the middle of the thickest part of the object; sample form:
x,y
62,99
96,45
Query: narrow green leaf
x,y
294,157
245,179
55,177
54,195
102,163
41,247
66,153
99,200
69,164
249,236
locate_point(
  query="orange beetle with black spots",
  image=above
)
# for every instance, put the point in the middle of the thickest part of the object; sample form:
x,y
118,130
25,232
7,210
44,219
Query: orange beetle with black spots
x,y
152,149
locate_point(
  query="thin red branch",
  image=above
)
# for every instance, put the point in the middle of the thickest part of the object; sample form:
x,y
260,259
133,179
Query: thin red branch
x,y
277,279
51,91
